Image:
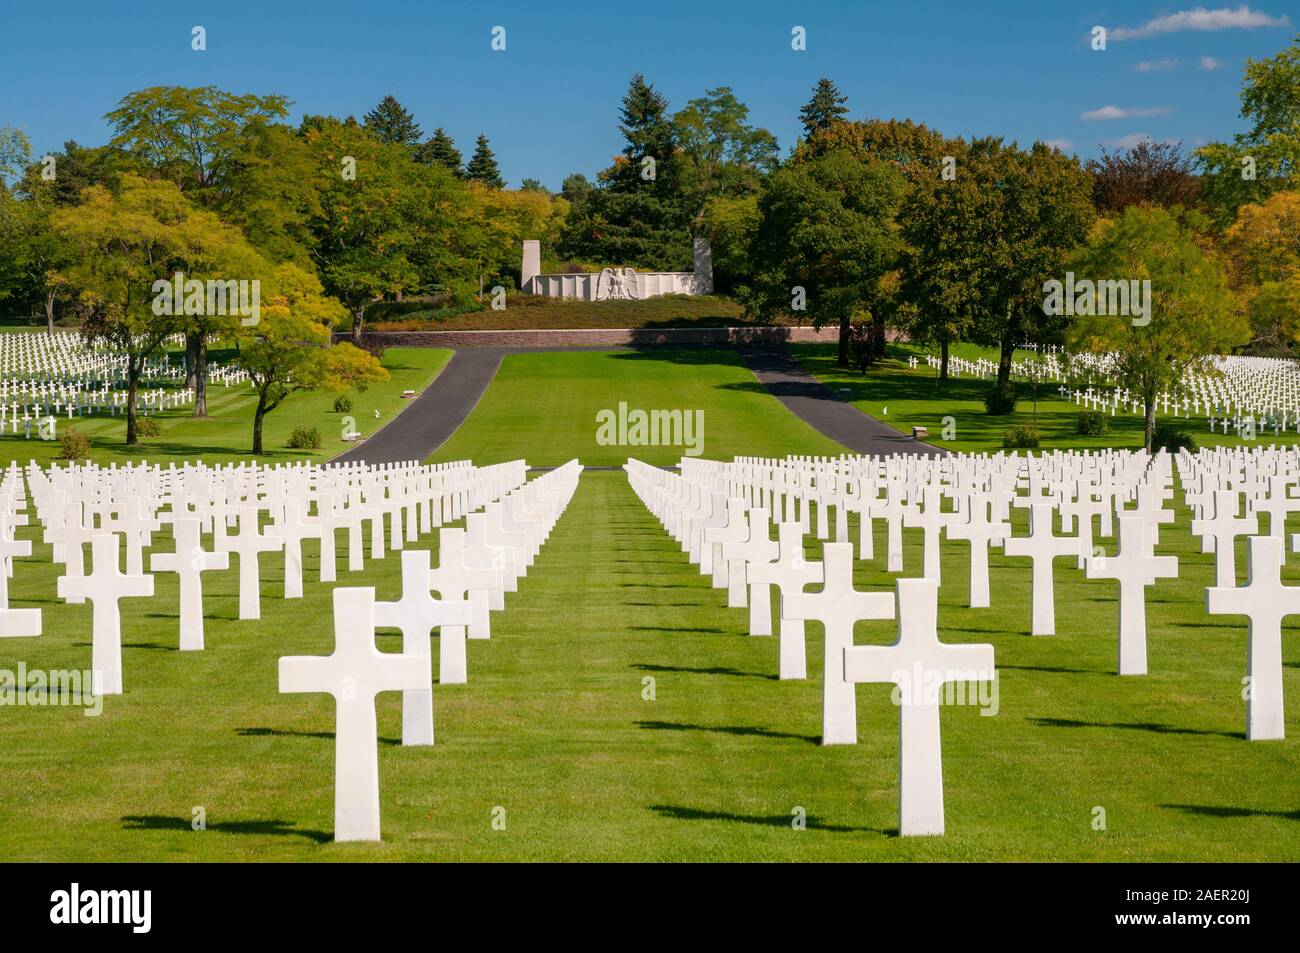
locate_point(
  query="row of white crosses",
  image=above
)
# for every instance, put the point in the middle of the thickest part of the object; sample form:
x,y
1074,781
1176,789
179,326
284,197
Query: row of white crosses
x,y
735,536
116,508
511,532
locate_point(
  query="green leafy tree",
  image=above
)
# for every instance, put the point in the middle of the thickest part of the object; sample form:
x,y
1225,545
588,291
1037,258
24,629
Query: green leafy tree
x,y
441,148
190,135
824,109
482,165
1266,158
289,349
827,226
391,123
1192,316
721,155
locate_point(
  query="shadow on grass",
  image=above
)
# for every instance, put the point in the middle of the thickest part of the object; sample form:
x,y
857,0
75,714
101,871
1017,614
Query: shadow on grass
x,y
159,822
139,645
676,628
1133,726
1054,669
1213,810
712,670
288,733
747,731
678,813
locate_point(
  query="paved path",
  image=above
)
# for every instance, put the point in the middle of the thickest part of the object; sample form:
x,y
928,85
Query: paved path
x,y
436,414
813,402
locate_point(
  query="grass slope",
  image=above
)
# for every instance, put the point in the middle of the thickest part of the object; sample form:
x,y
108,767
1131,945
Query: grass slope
x,y
554,726
227,434
904,397
543,407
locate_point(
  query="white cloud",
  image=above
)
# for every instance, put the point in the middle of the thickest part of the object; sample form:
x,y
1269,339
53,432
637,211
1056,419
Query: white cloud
x,y
1131,140
1155,66
1065,145
1201,19
1118,112
1210,63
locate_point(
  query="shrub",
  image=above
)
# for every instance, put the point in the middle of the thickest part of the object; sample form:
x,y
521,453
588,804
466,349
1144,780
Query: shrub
x,y
304,439
1173,438
1000,401
1020,437
1093,423
342,404
74,445
147,427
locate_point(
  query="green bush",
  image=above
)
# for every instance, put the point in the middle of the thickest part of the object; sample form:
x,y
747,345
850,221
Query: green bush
x,y
74,445
1020,437
147,427
1093,423
342,404
1173,438
1000,401
304,439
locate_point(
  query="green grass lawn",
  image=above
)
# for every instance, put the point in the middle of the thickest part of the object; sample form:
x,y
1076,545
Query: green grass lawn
x,y
904,397
227,434
543,407
553,726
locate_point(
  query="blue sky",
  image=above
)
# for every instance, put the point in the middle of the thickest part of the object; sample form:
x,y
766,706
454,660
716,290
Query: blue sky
x,y
1019,68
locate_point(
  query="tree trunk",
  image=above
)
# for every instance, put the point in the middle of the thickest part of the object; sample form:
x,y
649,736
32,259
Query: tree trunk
x,y
192,342
133,380
257,423
201,379
878,337
358,316
1150,406
1008,346
49,311
943,361
844,341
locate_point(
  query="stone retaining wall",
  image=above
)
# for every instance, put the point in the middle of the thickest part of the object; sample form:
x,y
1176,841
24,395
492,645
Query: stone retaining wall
x,y
598,337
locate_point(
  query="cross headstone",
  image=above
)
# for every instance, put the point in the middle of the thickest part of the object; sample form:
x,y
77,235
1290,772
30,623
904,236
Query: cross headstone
x,y
789,573
920,665
416,614
1265,602
980,531
247,544
189,562
453,580
354,674
104,587
293,529
1223,528
837,606
1135,567
1042,547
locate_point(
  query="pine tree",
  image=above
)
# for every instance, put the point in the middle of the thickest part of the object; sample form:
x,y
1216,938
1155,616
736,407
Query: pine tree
x,y
824,109
648,129
483,165
440,148
390,122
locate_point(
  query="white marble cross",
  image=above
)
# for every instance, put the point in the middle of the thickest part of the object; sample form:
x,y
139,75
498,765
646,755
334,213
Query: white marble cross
x,y
920,665
1224,528
293,530
930,519
735,530
1135,567
1265,602
837,607
354,674
137,528
980,531
1042,547
189,562
247,545
759,550
14,623
416,614
104,587
454,580
1277,505
790,573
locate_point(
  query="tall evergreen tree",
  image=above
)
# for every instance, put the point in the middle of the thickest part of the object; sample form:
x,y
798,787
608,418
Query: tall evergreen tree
x,y
390,122
483,165
440,148
649,133
824,109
